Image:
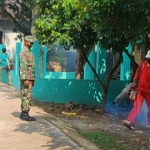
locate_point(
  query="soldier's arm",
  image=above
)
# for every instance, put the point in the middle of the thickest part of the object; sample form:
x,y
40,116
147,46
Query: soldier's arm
x,y
23,66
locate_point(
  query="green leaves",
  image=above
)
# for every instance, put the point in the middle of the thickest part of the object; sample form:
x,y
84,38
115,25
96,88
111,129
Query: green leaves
x,y
66,22
115,23
20,11
109,1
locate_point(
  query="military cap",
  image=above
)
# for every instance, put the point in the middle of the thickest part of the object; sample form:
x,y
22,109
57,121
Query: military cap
x,y
29,38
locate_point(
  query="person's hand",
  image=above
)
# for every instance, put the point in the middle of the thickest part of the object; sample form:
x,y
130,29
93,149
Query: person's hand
x,y
135,83
26,83
9,67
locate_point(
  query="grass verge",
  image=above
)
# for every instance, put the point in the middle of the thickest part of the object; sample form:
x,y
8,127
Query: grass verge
x,y
107,141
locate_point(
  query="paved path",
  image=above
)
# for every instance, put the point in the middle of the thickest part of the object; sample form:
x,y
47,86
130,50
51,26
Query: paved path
x,y
21,135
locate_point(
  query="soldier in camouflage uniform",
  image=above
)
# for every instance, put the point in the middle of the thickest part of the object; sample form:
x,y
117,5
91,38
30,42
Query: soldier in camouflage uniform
x,y
27,78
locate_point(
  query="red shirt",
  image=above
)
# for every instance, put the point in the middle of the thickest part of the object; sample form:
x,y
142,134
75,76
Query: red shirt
x,y
142,74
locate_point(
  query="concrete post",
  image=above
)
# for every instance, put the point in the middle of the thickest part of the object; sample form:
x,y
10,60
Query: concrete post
x,y
125,65
101,62
18,49
44,49
88,73
36,52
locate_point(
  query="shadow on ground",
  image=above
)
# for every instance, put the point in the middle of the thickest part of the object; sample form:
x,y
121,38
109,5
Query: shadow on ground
x,y
57,139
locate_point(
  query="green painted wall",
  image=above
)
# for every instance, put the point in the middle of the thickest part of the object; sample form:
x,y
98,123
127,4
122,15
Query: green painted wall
x,y
64,90
78,91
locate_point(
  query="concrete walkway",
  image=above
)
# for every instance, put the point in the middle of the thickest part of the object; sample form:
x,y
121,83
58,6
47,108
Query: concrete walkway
x,y
21,135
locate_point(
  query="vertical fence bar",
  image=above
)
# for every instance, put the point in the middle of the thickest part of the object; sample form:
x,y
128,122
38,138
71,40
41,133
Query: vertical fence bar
x,y
44,48
18,49
125,65
36,53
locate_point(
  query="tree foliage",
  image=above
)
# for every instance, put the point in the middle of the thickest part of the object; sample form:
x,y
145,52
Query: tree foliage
x,y
122,21
115,23
20,11
60,23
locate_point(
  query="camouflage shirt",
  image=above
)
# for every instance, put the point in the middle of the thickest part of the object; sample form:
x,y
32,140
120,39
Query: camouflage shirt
x,y
27,65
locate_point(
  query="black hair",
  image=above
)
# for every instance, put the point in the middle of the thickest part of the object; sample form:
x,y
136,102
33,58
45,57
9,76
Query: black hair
x,y
4,50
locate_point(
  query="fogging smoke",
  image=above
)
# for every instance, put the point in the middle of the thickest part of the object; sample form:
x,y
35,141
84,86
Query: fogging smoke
x,y
142,118
124,110
118,110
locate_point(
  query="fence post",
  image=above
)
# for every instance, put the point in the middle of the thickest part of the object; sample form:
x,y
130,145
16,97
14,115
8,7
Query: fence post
x,y
101,62
18,49
36,52
125,65
44,48
88,73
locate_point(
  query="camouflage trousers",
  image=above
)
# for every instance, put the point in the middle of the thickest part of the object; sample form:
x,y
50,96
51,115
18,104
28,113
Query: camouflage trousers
x,y
26,96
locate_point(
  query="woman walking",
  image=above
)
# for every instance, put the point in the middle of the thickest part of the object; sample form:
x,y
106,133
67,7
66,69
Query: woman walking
x,y
5,65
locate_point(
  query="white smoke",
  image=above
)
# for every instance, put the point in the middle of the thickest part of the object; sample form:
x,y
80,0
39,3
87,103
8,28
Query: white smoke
x,y
142,118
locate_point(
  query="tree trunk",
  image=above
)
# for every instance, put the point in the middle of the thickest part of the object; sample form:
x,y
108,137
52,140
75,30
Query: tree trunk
x,y
80,61
79,65
35,15
104,86
103,103
134,64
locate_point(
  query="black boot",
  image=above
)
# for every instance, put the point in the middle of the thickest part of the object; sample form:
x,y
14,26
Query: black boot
x,y
24,116
31,117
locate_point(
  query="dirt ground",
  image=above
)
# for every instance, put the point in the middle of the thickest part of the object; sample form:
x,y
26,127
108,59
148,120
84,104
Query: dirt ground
x,y
89,118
